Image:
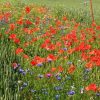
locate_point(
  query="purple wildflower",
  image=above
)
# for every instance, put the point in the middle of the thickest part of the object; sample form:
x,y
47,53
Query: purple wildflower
x,y
58,78
71,93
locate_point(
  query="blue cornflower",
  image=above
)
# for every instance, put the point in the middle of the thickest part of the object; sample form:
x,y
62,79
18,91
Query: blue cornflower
x,y
58,78
39,65
49,60
58,88
25,84
65,49
98,94
24,73
57,96
21,70
71,93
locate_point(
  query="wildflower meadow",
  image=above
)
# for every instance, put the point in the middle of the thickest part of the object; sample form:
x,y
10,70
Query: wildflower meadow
x,y
49,50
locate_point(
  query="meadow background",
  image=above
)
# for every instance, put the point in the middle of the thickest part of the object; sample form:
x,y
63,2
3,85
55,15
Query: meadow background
x,y
74,5
16,85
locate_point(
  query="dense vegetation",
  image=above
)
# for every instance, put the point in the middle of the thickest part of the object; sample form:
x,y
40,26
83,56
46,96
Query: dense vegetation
x,y
48,52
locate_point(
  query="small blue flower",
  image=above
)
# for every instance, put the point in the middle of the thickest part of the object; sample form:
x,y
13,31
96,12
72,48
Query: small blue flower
x,y
25,84
39,65
18,64
65,49
98,94
21,70
49,60
57,96
58,78
24,73
71,93
58,88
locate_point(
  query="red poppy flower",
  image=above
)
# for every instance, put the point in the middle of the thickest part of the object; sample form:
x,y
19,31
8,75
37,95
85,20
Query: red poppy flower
x,y
39,59
27,9
64,18
98,27
25,56
28,22
33,62
51,57
61,51
12,26
58,23
17,41
19,50
53,30
51,47
84,56
60,68
53,69
89,65
98,63
70,51
71,69
93,24
91,87
12,36
20,21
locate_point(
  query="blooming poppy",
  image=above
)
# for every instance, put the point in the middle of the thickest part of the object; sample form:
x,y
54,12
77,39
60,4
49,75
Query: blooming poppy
x,y
51,57
27,10
12,36
60,68
89,65
91,87
20,21
70,51
25,56
28,22
53,69
12,26
19,50
64,18
17,40
33,62
71,69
